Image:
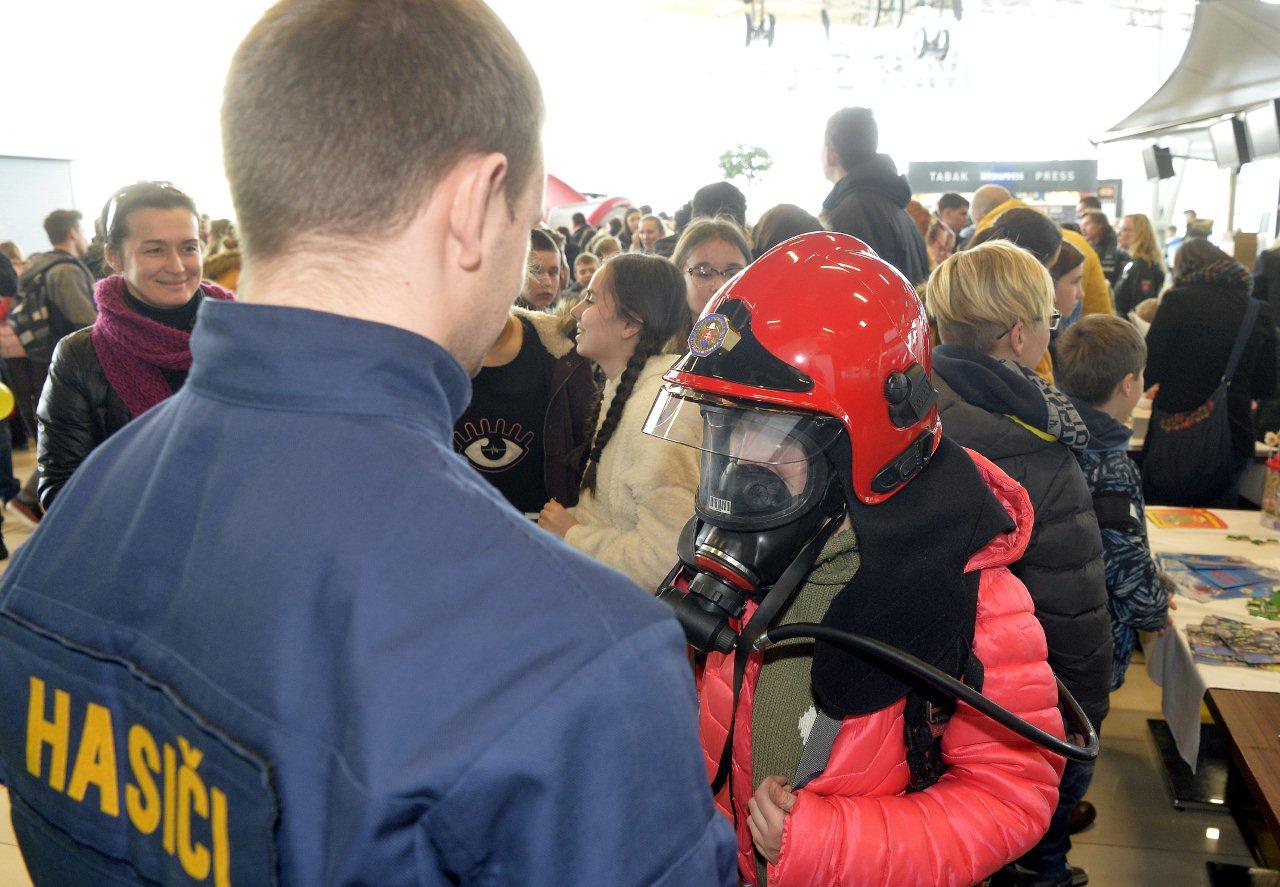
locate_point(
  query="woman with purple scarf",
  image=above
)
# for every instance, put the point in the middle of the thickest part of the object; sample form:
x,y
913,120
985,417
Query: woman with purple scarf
x,y
138,351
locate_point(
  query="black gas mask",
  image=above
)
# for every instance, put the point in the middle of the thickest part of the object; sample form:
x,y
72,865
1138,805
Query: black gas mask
x,y
767,500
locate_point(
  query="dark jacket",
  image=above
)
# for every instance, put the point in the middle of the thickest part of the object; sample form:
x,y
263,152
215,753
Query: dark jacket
x,y
574,392
1135,598
1112,257
1062,566
1187,350
1266,278
8,278
78,410
1138,280
436,693
868,203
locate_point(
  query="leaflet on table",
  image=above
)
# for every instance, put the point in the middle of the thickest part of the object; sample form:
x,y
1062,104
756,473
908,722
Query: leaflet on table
x,y
1221,640
1210,577
1167,518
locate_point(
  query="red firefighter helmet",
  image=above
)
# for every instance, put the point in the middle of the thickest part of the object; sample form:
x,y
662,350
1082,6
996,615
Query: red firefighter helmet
x,y
817,327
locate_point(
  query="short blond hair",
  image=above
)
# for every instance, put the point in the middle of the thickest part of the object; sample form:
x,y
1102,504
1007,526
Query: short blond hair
x,y
977,295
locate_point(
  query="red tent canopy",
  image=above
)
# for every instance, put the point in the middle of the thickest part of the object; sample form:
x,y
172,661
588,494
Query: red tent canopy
x,y
558,194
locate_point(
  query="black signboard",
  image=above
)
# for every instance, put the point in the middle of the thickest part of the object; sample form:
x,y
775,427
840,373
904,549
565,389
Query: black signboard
x,y
965,177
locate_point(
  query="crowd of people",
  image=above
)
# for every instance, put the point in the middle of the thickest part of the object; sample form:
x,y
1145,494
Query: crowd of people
x,y
544,424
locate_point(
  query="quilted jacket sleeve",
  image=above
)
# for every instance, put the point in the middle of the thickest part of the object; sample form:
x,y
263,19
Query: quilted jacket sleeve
x,y
993,803
66,414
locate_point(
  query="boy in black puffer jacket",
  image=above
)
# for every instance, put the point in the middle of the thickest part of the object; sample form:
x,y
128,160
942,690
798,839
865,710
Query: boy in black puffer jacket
x,y
1099,365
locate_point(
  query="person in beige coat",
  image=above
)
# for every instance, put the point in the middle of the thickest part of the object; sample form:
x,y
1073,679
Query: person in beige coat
x,y
637,493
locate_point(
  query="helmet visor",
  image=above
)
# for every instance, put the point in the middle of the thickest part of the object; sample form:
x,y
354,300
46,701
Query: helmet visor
x,y
761,467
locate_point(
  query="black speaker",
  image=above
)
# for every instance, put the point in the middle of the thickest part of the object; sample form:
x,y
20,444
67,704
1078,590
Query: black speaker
x,y
1263,127
1159,163
1230,143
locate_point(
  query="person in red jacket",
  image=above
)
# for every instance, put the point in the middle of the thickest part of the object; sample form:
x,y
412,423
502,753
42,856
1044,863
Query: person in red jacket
x,y
830,497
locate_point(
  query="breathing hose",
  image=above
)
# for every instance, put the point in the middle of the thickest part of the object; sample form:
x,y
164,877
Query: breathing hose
x,y
946,683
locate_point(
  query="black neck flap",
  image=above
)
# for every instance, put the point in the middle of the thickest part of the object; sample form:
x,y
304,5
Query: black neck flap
x,y
910,590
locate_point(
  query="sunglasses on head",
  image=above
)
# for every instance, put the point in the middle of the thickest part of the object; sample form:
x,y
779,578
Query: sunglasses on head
x,y
129,194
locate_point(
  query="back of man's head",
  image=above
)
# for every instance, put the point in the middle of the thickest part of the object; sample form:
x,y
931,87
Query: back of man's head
x,y
579,219
1089,201
987,198
853,135
60,223
1094,354
720,199
339,116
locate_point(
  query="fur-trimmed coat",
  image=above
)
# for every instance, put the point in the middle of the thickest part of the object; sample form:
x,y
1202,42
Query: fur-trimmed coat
x,y
644,489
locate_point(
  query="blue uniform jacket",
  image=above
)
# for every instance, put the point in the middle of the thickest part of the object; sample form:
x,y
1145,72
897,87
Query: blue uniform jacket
x,y
276,631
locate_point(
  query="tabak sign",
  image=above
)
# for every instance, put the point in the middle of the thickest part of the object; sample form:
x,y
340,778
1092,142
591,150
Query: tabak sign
x,y
964,176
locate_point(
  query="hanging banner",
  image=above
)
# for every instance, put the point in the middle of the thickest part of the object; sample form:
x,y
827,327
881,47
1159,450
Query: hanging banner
x,y
936,177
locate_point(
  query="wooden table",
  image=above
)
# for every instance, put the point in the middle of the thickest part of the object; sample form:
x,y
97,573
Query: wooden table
x,y
1250,722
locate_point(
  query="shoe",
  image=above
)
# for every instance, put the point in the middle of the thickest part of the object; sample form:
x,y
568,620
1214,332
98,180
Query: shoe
x,y
29,510
1081,818
1014,875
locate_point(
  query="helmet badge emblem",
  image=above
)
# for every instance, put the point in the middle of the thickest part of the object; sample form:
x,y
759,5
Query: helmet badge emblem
x,y
710,334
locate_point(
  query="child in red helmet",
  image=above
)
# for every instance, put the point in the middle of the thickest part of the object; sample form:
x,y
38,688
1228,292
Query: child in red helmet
x,y
828,495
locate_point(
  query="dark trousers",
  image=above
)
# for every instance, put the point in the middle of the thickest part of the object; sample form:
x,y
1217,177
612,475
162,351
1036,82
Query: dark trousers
x,y
1048,859
28,382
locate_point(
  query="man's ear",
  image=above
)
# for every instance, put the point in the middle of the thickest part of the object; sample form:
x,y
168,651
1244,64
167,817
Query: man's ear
x,y
476,187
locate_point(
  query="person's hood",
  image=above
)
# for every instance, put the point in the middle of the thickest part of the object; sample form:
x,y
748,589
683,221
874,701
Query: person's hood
x,y
988,383
219,264
38,262
554,330
1008,547
1226,274
1105,432
990,218
878,174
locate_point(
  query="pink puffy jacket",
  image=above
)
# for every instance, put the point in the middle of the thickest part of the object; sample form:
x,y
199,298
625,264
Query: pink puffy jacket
x,y
854,824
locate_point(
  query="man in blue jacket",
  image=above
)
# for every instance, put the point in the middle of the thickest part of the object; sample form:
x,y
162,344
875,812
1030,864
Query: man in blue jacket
x,y
213,669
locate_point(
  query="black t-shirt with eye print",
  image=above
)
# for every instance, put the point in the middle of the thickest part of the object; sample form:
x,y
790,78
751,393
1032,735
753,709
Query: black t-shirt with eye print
x,y
500,433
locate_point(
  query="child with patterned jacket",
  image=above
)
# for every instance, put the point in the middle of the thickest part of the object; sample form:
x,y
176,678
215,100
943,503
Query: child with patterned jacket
x,y
1099,365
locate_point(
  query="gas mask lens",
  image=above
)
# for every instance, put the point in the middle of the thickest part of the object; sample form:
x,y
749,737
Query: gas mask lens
x,y
760,468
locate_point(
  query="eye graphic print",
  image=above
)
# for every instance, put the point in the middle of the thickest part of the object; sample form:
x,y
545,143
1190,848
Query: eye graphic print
x,y
492,447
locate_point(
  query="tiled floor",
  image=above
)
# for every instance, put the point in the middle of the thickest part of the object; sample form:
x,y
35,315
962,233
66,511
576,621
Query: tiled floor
x,y
1139,839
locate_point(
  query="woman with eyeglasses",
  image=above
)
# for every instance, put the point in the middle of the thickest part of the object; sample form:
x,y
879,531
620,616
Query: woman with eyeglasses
x,y
138,351
636,492
709,253
994,309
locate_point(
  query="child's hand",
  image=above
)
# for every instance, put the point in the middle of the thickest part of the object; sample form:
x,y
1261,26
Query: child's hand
x,y
556,518
769,807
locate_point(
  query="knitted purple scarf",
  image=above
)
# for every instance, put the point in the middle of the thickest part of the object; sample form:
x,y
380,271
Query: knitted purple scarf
x,y
134,349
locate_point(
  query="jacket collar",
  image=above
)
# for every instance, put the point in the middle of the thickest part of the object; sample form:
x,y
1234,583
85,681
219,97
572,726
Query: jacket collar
x,y
988,383
876,173
314,361
1105,433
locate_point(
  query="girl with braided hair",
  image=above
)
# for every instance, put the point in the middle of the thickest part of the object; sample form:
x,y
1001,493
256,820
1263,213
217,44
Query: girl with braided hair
x,y
636,493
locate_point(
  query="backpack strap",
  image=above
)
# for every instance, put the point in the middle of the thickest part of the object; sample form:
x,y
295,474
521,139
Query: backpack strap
x,y
925,719
1242,338
1116,511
